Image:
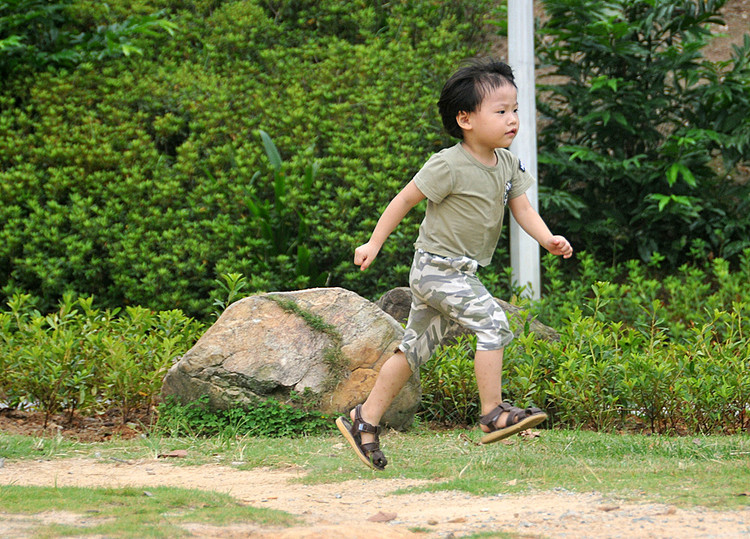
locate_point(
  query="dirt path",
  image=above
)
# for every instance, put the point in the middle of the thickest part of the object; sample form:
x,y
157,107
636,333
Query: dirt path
x,y
352,509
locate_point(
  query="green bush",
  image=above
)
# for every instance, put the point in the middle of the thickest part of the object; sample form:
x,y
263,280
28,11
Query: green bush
x,y
626,292
84,359
625,359
449,387
36,33
264,418
141,179
641,139
660,355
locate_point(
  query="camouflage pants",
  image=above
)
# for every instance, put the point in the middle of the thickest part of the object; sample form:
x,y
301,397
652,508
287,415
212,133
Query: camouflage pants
x,y
446,292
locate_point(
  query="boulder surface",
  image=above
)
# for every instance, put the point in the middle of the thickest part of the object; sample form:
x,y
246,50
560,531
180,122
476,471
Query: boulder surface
x,y
329,340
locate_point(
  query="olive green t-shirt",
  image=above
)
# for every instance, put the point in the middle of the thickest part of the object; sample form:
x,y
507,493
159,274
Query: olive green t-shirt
x,y
466,202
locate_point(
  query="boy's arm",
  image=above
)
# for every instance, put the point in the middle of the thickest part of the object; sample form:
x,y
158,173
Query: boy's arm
x,y
409,197
526,216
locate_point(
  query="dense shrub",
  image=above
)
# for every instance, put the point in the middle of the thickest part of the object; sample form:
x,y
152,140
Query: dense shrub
x,y
80,358
139,179
35,34
142,178
643,134
637,351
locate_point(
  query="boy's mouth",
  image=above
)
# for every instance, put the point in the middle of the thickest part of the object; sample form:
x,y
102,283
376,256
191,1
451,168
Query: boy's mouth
x,y
512,133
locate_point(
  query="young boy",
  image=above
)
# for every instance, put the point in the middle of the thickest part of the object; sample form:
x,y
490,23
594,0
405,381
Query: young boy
x,y
467,187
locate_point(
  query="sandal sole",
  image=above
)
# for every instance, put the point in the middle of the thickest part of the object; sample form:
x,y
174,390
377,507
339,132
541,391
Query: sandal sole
x,y
345,427
522,425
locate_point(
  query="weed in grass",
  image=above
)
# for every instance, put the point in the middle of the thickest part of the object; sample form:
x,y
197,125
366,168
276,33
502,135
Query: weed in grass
x,y
265,418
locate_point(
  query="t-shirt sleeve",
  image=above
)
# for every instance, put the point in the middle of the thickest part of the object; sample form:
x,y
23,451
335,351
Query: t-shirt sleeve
x,y
435,179
521,180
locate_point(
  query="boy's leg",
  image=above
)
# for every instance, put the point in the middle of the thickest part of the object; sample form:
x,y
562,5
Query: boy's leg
x,y
362,431
499,419
423,333
392,377
488,368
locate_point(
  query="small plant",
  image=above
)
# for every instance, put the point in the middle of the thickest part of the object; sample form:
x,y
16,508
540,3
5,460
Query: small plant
x,y
230,286
82,359
263,418
449,388
282,223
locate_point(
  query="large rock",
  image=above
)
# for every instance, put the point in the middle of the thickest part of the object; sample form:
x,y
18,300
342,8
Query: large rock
x,y
260,349
397,302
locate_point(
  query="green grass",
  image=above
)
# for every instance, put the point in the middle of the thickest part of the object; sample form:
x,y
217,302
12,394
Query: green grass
x,y
707,471
132,512
684,471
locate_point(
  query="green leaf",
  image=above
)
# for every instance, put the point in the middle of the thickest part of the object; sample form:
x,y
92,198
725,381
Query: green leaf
x,y
672,174
682,170
688,176
127,49
663,201
271,151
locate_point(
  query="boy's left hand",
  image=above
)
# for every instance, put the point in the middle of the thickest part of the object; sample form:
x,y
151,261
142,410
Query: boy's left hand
x,y
558,245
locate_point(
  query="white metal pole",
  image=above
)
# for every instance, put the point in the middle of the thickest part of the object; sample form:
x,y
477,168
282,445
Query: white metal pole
x,y
524,250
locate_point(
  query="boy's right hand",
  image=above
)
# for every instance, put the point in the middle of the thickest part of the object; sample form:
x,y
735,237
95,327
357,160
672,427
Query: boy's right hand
x,y
365,254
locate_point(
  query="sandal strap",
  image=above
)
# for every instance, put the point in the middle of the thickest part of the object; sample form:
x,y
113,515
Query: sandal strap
x,y
372,449
360,425
515,415
489,419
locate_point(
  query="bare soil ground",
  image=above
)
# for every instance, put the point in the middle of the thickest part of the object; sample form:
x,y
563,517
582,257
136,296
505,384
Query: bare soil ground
x,y
369,508
737,17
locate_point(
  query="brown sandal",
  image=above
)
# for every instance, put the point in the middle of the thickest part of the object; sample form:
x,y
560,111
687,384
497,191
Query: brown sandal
x,y
517,420
369,453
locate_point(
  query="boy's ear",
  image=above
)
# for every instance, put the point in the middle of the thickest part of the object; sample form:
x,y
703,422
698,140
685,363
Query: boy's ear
x,y
463,121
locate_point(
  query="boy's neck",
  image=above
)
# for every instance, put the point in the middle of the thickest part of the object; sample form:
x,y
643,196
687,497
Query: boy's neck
x,y
486,156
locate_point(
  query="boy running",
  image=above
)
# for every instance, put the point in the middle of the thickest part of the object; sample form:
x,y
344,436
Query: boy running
x,y
467,187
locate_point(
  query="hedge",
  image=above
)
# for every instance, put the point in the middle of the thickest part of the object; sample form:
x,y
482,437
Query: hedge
x,y
134,179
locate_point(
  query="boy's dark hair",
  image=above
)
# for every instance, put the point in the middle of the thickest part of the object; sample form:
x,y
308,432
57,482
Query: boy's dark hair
x,y
467,87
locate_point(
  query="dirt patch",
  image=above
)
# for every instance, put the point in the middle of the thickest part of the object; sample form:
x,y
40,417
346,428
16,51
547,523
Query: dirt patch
x,y
100,428
736,15
370,507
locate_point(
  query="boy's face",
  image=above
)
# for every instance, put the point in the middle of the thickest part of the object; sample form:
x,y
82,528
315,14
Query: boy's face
x,y
495,123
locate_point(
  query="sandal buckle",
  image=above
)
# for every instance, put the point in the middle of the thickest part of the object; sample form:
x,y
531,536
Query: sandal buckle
x,y
366,427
